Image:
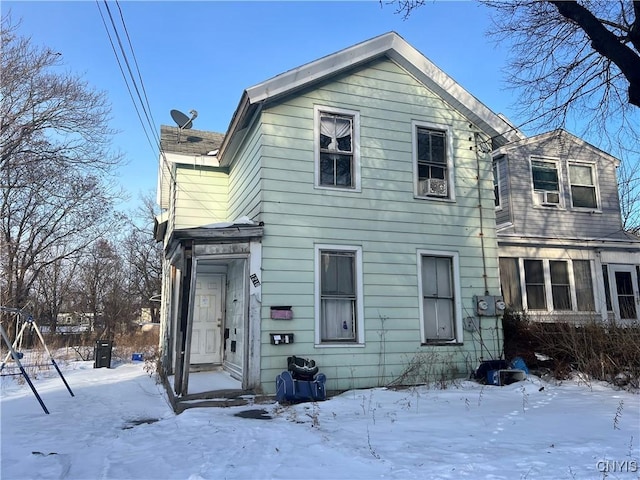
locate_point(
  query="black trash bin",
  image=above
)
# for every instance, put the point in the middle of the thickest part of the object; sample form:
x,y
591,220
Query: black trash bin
x,y
102,354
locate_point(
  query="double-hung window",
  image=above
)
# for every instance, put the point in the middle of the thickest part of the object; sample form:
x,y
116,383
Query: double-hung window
x,y
440,297
339,308
496,183
560,286
547,284
583,186
585,301
546,183
336,148
534,285
432,161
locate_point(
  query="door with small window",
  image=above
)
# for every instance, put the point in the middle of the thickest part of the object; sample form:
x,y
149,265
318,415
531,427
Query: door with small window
x,y
206,333
623,281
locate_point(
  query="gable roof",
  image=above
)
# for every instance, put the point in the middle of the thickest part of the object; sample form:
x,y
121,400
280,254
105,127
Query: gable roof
x,y
560,135
390,45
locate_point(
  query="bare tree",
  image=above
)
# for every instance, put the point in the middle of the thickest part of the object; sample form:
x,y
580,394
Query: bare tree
x,y
573,58
100,287
145,258
52,290
567,54
579,63
55,164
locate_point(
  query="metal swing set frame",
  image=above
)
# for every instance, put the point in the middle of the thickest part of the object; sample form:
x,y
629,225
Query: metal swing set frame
x,y
27,322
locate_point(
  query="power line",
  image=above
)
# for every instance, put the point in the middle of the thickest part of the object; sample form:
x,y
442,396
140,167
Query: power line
x,y
139,102
126,81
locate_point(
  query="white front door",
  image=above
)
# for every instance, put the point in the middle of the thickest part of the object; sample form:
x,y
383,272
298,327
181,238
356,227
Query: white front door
x,y
206,334
624,291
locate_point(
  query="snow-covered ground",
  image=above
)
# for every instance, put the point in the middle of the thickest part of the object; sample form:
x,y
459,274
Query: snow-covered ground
x,y
120,426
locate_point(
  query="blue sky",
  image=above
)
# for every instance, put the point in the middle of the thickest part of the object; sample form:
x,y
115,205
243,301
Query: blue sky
x,y
202,55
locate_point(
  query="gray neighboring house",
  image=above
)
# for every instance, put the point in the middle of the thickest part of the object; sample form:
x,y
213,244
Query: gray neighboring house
x,y
563,252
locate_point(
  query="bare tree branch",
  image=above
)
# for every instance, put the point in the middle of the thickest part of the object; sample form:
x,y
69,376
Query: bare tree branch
x,y
56,165
606,43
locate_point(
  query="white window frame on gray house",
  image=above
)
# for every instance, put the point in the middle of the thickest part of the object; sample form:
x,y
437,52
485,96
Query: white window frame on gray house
x,y
336,151
542,195
339,308
496,183
440,303
428,182
575,184
556,289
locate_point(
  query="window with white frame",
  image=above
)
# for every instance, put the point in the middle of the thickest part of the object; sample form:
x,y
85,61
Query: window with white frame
x,y
560,286
339,303
546,183
534,285
585,301
583,185
440,297
510,282
432,161
337,148
549,285
496,183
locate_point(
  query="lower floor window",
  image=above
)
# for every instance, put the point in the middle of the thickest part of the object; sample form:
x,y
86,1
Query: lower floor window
x,y
339,295
621,290
548,285
439,298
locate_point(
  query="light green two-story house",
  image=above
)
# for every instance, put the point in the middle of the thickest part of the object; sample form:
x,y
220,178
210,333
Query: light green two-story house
x,y
346,216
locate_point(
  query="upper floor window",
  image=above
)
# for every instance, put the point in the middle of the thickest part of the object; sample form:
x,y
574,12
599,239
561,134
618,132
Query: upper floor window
x,y
336,148
432,162
546,184
496,183
583,186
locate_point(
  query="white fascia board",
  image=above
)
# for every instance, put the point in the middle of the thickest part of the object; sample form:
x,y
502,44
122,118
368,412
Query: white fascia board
x,y
558,133
580,243
396,48
192,160
322,68
451,91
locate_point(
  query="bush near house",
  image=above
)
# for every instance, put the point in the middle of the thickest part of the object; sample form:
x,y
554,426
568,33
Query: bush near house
x,y
603,351
80,346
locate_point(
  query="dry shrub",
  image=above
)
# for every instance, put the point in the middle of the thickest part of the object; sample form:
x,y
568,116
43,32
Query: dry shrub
x,y
605,351
145,343
429,368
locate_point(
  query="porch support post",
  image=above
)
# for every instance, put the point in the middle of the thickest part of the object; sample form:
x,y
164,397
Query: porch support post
x,y
185,295
190,281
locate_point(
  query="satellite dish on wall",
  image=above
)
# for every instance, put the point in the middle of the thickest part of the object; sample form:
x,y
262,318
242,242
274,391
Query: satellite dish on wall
x,y
183,122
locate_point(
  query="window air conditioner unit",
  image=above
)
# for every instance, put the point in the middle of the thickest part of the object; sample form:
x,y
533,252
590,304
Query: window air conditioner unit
x,y
433,186
546,198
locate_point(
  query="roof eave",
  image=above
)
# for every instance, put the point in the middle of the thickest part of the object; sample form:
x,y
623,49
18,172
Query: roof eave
x,y
390,45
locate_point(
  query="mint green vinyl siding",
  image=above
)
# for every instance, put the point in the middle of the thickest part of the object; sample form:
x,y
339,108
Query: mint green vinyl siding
x,y
244,179
384,219
201,198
